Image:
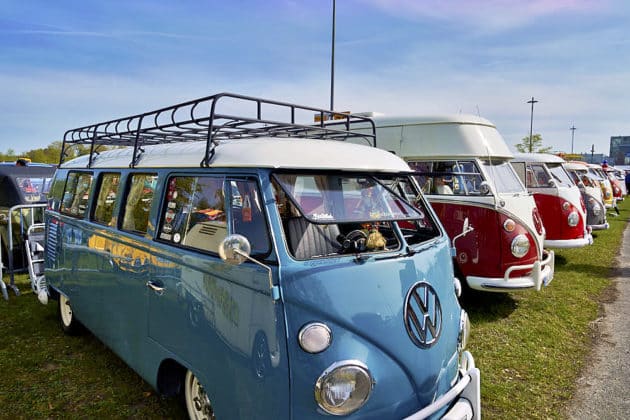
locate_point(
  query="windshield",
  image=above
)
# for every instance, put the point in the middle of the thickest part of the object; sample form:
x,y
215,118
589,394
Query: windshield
x,y
597,174
503,177
583,176
33,189
344,198
331,214
560,174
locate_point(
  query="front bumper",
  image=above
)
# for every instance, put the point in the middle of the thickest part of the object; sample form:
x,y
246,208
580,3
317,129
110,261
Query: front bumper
x,y
602,226
570,243
465,395
541,275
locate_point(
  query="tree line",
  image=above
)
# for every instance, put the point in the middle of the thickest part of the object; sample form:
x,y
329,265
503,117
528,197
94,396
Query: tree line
x,y
52,152
48,154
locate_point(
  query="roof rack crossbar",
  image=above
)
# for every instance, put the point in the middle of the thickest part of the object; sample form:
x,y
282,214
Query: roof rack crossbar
x,y
192,121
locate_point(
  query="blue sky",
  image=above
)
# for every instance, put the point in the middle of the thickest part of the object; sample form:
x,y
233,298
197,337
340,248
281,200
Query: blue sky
x,y
69,63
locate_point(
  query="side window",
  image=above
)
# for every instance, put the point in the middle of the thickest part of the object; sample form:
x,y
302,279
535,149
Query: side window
x,y
424,180
466,178
247,216
539,177
138,203
195,212
106,199
76,194
523,173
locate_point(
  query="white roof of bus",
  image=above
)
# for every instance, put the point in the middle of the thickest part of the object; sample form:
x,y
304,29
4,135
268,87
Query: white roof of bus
x,y
441,136
538,157
576,165
255,153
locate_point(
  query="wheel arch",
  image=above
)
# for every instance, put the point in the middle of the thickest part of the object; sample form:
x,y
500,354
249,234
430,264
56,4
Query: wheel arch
x,y
170,378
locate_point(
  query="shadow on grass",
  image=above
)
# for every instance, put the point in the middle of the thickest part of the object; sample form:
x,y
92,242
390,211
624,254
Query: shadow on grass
x,y
486,306
560,260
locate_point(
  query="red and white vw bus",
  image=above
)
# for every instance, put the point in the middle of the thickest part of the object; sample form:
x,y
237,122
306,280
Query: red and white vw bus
x,y
558,199
617,181
462,164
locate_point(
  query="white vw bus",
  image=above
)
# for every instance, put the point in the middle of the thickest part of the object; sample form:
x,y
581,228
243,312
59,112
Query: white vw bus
x,y
558,199
462,165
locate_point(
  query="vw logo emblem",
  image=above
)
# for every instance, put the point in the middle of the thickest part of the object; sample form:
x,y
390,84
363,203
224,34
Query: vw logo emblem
x,y
423,315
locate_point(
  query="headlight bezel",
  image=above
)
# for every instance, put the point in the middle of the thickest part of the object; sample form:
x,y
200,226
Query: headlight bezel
x,y
518,248
340,368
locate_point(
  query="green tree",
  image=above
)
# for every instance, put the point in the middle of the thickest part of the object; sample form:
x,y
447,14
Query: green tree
x,y
535,147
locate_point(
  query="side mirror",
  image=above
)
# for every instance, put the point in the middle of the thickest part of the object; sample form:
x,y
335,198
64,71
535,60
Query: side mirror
x,y
484,188
466,229
235,249
551,183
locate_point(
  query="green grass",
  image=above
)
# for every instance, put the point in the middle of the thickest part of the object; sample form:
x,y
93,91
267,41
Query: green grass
x,y
46,374
529,346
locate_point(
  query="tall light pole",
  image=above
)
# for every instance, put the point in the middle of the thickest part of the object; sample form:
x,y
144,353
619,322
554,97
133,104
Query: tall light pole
x,y
572,136
332,61
531,124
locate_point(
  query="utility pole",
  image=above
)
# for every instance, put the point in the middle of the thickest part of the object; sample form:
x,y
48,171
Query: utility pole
x,y
531,124
592,152
572,136
332,61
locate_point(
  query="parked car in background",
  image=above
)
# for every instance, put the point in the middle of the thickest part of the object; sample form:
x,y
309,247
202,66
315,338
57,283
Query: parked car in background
x,y
462,165
558,199
23,193
591,194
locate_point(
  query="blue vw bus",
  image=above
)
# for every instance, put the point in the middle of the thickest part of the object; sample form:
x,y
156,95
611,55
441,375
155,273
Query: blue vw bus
x,y
260,267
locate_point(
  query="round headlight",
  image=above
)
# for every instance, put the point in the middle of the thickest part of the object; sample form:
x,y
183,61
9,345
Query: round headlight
x,y
344,387
315,337
520,246
573,219
595,207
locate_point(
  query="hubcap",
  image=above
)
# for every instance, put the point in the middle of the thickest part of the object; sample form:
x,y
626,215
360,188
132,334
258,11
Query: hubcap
x,y
197,400
66,310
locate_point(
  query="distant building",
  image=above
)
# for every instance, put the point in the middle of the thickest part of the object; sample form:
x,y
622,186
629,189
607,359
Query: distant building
x,y
620,150
595,158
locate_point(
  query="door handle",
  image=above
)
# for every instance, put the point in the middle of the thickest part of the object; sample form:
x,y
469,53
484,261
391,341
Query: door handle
x,y
157,289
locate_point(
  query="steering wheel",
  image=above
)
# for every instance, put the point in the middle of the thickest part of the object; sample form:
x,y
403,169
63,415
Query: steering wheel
x,y
354,241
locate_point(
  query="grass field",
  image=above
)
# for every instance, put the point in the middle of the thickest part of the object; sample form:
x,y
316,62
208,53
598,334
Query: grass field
x,y
529,346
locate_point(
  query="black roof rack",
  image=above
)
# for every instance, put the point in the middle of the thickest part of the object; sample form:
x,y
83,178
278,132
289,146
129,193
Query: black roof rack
x,y
199,120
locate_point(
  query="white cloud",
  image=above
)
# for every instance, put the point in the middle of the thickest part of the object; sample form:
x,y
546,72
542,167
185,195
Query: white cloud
x,y
487,15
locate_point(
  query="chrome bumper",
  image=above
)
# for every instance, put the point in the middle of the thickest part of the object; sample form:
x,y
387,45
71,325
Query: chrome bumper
x,y
541,275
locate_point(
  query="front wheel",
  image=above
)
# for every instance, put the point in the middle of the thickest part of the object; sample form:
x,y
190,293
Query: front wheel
x,y
69,324
197,401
